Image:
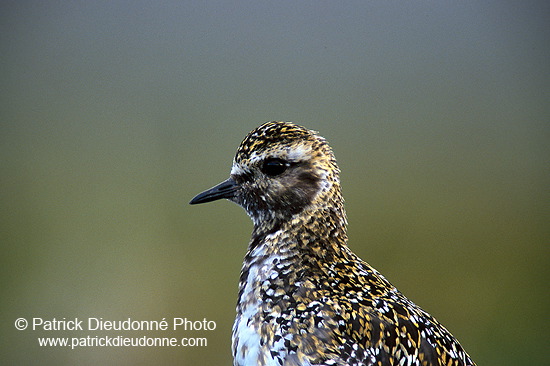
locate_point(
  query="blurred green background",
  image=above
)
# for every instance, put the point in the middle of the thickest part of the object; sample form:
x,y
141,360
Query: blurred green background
x,y
114,114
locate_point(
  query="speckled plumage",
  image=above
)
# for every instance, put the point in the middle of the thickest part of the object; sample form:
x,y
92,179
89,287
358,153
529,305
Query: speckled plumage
x,y
304,297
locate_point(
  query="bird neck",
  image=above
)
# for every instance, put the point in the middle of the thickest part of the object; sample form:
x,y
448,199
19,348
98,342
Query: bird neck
x,y
319,231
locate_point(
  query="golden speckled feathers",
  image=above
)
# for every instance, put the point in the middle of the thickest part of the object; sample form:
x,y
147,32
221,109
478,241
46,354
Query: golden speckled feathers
x,y
304,297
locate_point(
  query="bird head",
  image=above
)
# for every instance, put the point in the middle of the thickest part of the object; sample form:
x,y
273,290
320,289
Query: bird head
x,y
280,170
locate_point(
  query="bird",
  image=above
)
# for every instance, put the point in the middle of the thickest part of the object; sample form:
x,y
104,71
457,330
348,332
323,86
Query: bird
x,y
304,298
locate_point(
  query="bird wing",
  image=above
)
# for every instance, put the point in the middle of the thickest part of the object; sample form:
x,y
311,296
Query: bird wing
x,y
381,324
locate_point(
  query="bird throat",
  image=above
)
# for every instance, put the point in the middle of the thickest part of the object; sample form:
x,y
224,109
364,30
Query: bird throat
x,y
279,264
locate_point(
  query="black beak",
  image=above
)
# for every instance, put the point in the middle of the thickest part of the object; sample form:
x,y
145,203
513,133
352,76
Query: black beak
x,y
225,189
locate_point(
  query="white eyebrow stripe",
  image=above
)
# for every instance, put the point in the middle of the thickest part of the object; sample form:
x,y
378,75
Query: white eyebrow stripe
x,y
299,153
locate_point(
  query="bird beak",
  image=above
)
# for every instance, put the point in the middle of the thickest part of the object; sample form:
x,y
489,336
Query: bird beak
x,y
225,189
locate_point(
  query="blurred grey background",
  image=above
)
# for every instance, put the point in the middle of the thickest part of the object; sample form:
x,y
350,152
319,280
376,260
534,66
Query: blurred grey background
x,y
114,114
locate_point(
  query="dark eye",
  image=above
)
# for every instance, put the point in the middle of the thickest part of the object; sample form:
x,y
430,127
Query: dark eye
x,y
274,166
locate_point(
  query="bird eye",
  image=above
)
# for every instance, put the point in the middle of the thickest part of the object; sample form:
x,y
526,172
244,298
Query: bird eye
x,y
274,166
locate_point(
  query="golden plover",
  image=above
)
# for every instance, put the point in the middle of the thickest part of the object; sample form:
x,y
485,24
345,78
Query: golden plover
x,y
304,297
